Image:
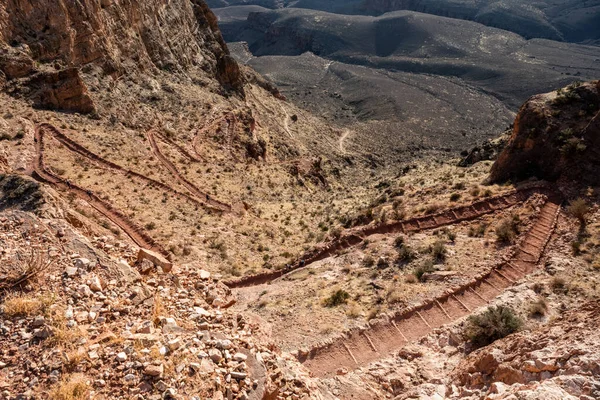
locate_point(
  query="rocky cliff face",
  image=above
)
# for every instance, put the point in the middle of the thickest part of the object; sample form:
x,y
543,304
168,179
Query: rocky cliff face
x,y
556,135
113,37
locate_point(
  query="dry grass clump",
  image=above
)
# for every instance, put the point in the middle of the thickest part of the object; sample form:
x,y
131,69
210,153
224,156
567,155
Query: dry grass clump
x,y
24,305
438,251
559,285
538,308
24,269
71,387
578,209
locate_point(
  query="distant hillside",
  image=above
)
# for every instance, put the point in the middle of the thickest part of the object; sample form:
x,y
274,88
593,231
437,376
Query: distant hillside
x,y
570,20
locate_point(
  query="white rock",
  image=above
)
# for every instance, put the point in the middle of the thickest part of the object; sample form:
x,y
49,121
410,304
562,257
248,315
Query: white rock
x,y
121,357
71,271
204,274
201,311
240,357
81,262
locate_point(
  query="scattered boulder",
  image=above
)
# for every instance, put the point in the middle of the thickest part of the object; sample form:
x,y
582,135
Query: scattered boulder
x,y
155,258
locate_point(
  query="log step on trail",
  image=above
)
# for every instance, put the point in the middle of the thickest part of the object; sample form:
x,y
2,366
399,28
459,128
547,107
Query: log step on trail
x,y
356,348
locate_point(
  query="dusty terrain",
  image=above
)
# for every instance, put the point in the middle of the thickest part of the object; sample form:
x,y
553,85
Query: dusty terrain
x,y
171,226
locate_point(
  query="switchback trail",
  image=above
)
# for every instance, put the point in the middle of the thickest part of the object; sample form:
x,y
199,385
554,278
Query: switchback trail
x,y
342,139
362,346
187,184
77,148
353,237
130,228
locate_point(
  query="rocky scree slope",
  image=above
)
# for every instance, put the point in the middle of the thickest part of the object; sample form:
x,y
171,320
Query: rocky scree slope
x,y
555,136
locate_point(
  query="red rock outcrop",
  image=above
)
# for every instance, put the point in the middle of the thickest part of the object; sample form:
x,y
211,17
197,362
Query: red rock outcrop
x,y
61,90
558,359
556,135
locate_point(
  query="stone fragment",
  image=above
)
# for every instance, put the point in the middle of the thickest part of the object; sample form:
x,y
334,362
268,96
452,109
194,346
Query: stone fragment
x,y
155,258
154,370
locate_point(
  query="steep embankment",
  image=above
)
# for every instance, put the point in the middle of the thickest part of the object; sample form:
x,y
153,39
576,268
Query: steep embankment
x,y
41,42
556,135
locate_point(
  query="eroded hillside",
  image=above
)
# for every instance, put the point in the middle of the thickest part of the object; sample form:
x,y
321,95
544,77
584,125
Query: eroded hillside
x,y
172,227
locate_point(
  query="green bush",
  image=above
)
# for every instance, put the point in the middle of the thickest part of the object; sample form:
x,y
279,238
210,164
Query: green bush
x,y
338,297
493,324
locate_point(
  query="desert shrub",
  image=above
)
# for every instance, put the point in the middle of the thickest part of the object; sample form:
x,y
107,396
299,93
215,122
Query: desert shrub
x,y
432,208
438,251
23,305
338,297
477,231
70,388
559,285
423,269
493,324
451,236
150,226
368,261
382,263
454,196
399,242
405,254
336,233
538,287
578,209
576,247
411,279
572,147
508,229
538,308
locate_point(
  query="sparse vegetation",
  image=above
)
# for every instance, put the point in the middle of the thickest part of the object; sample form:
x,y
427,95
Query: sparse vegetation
x,y
559,285
579,208
493,324
25,305
538,308
337,298
425,268
508,230
438,251
477,231
70,388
